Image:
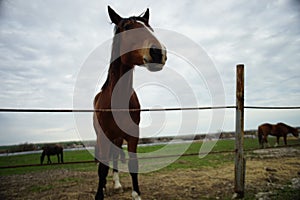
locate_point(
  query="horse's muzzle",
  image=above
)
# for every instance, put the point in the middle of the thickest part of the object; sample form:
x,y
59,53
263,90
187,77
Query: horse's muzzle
x,y
158,55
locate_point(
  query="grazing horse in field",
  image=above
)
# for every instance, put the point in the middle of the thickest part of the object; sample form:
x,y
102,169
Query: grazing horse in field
x,y
51,150
117,108
278,130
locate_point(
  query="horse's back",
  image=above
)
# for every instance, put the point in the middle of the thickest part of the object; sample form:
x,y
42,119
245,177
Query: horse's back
x,y
266,127
53,149
59,148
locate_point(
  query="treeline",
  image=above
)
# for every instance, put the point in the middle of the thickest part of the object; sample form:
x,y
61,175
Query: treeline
x,y
223,135
19,148
33,147
78,144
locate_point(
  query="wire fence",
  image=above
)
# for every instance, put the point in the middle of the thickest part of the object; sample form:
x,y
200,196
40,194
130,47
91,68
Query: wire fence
x,y
149,157
65,110
59,110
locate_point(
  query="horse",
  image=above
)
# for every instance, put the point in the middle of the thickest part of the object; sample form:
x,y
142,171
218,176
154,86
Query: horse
x,y
50,150
278,130
116,106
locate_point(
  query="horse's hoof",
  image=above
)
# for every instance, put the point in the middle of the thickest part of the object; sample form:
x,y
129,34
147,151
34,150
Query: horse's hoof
x,y
135,196
118,187
99,196
116,180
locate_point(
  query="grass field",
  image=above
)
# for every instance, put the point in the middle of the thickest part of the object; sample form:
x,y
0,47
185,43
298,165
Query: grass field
x,y
200,178
211,160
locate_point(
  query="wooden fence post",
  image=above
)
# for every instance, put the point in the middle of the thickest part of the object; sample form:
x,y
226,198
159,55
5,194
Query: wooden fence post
x,y
240,162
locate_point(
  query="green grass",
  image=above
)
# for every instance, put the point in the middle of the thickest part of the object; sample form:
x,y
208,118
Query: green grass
x,y
31,159
211,160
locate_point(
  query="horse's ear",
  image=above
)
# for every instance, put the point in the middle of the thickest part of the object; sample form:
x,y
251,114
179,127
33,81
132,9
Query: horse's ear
x,y
114,17
146,15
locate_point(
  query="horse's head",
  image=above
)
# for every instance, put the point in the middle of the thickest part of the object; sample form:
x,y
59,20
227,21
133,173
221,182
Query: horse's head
x,y
295,133
137,43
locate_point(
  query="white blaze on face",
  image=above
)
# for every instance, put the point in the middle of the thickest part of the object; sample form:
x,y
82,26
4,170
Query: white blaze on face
x,y
148,63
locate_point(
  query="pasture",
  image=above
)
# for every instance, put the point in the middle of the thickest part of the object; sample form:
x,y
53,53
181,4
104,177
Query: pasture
x,y
187,178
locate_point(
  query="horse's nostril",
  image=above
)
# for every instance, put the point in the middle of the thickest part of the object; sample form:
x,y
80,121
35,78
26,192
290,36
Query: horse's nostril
x,y
156,54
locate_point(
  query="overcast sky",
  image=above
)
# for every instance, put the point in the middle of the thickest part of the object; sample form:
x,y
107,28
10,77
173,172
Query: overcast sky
x,y
45,44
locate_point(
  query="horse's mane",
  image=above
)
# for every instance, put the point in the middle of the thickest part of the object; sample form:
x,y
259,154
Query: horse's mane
x,y
287,126
115,58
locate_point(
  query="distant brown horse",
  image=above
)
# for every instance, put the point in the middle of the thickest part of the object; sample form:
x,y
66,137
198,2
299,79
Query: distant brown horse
x,y
134,43
50,150
278,130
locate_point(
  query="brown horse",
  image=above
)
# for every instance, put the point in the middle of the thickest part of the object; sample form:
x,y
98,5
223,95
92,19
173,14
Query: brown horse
x,y
51,150
278,130
134,43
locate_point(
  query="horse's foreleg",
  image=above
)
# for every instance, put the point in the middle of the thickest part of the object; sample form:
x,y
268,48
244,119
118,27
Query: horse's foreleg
x,y
102,173
103,157
62,157
133,167
58,160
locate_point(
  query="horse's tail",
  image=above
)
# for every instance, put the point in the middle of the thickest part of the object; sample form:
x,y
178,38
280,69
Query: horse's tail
x,y
260,135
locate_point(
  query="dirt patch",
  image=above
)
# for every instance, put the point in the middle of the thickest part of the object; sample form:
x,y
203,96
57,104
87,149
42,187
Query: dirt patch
x,y
277,152
264,175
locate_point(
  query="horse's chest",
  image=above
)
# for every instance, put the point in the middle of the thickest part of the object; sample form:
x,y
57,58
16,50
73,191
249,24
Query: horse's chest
x,y
119,123
120,118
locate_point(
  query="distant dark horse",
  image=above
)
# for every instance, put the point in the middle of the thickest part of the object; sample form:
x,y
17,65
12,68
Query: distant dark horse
x,y
51,150
134,43
278,130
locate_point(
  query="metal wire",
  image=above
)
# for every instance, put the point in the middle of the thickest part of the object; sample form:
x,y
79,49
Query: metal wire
x,y
65,110
273,107
144,158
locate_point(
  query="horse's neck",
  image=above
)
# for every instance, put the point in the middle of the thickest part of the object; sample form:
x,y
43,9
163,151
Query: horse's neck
x,y
291,129
120,77
121,72
120,82
287,127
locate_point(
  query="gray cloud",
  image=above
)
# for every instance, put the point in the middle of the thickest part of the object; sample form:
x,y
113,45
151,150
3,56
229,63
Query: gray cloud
x,y
43,45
